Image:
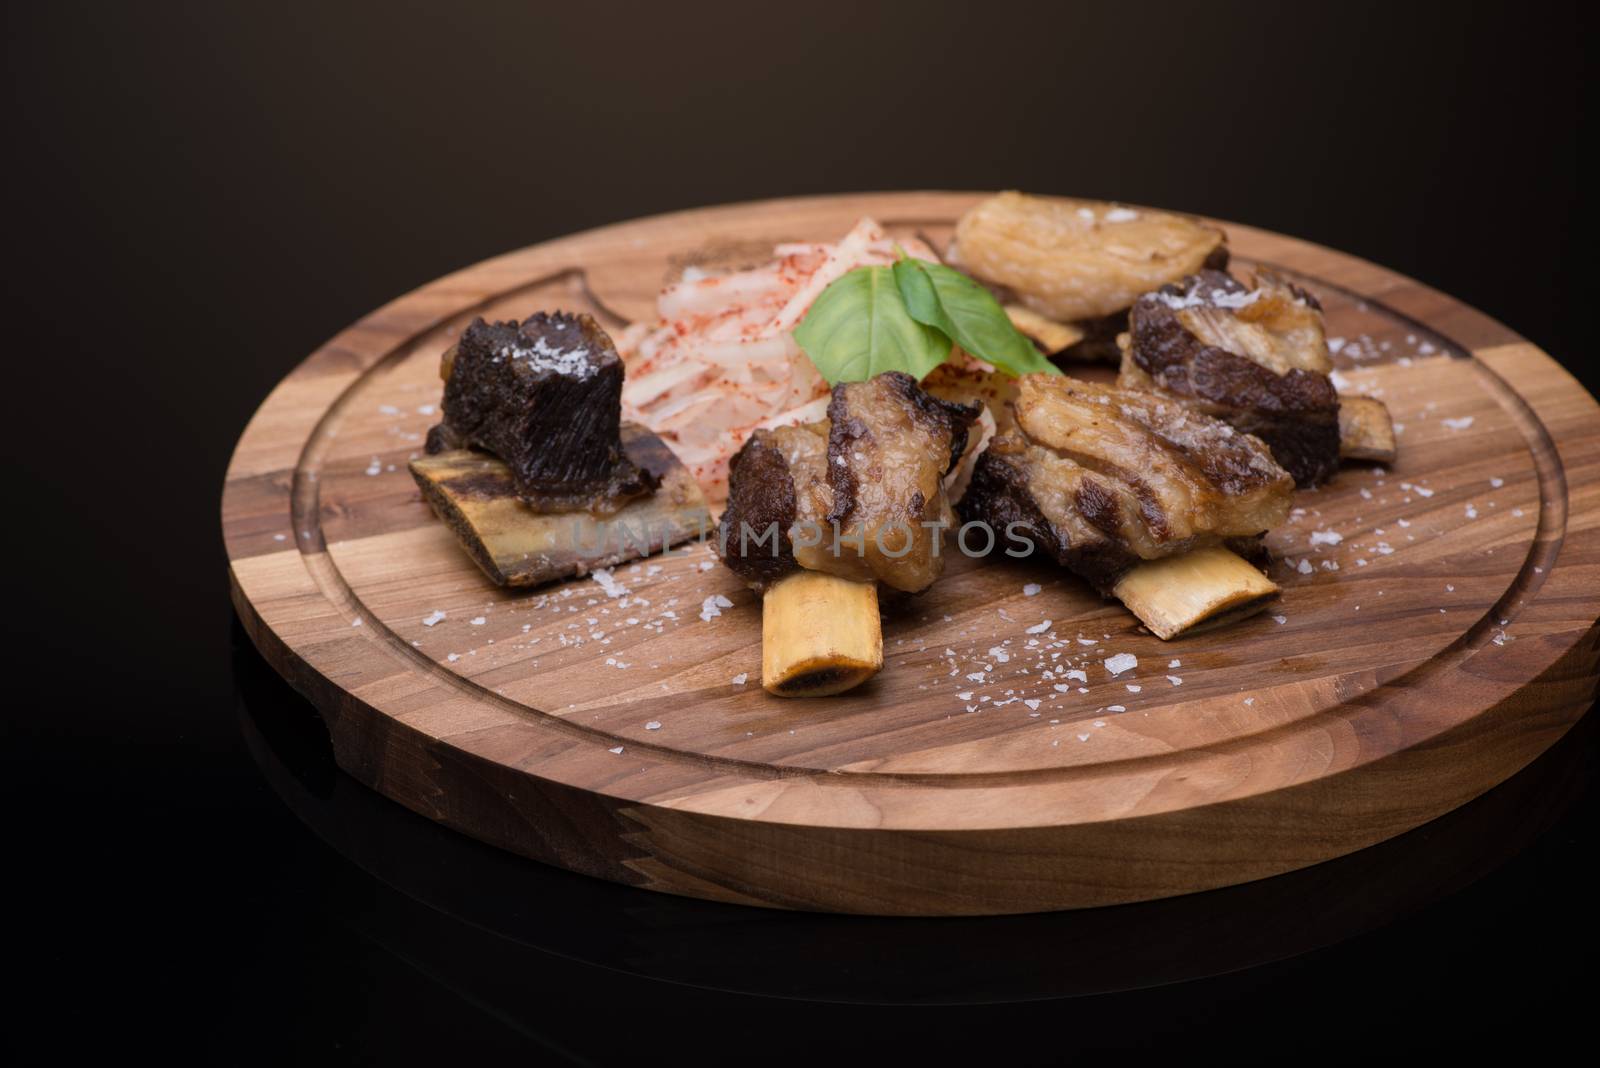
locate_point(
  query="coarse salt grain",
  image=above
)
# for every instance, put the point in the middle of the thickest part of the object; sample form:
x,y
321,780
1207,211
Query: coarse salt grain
x,y
604,579
1121,662
712,607
436,617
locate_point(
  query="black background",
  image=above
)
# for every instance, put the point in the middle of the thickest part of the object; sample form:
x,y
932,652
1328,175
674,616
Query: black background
x,y
201,194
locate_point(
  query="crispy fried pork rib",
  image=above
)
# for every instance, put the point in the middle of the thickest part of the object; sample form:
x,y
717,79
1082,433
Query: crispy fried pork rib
x,y
1103,478
1252,355
860,494
545,396
1079,262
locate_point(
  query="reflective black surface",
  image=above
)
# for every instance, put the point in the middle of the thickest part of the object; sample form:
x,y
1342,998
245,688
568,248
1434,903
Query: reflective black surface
x,y
204,193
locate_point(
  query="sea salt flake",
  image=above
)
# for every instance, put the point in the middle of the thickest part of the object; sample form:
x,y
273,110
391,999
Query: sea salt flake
x,y
1039,628
1033,703
653,725
1325,537
712,606
436,617
604,579
477,621
1031,589
615,749
1116,708
1121,662
1458,424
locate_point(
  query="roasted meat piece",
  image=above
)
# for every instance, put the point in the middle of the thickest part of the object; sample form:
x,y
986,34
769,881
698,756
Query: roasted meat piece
x,y
860,494
1253,355
545,397
1103,478
1079,262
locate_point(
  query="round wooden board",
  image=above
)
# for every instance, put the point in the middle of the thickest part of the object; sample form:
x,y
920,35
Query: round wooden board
x,y
1449,638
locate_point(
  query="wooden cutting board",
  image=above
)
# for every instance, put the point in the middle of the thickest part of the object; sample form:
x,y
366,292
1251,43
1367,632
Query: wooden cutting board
x,y
1447,638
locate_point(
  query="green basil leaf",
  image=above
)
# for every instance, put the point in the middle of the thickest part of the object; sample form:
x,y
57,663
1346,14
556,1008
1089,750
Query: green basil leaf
x,y
859,327
957,306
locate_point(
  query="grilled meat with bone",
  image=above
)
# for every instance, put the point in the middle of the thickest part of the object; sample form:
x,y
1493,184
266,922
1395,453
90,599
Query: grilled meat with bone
x,y
545,396
860,494
1254,355
1103,478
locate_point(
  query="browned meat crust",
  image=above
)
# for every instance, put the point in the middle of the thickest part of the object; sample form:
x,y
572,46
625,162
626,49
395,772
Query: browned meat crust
x,y
545,396
1294,409
860,494
761,497
849,414
1000,496
1101,478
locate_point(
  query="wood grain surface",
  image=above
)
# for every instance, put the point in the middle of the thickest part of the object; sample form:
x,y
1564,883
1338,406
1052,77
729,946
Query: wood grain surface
x,y
1446,639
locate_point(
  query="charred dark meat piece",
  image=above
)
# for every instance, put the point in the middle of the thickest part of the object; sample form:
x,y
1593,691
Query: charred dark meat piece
x,y
1102,479
860,494
1255,356
545,396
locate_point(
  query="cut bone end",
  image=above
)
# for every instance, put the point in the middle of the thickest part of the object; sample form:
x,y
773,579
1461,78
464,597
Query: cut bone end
x,y
820,635
1051,336
1207,587
1365,430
